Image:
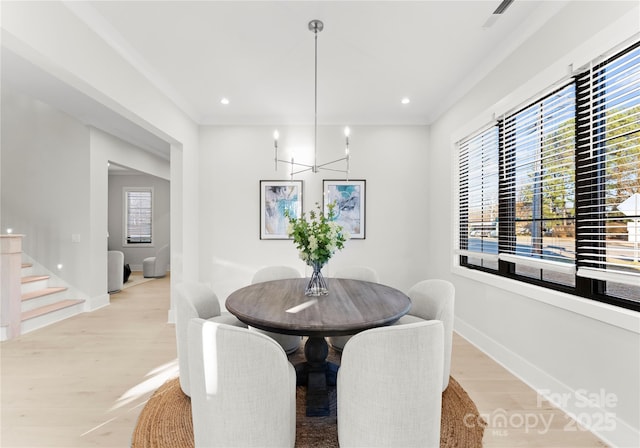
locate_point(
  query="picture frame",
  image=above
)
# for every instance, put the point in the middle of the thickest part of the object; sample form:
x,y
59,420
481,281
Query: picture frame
x,y
276,197
350,199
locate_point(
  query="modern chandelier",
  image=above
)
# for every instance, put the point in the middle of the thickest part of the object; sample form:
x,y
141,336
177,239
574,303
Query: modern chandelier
x,y
315,26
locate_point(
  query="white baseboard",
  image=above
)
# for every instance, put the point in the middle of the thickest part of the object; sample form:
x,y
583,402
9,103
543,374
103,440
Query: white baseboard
x,y
97,302
601,421
139,268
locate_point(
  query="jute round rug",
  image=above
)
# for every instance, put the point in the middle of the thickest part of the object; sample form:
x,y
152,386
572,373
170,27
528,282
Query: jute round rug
x,y
165,421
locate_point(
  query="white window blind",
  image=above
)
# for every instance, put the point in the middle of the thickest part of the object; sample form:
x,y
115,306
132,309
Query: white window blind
x,y
478,162
138,215
566,186
608,190
537,183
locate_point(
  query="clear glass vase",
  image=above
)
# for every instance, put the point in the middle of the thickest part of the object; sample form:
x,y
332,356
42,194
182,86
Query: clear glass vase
x,y
317,286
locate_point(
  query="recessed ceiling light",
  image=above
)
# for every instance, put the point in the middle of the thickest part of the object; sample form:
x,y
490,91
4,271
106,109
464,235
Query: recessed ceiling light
x,y
224,101
405,100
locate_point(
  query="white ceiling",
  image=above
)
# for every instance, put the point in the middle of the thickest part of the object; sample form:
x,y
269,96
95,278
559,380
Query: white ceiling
x,y
260,54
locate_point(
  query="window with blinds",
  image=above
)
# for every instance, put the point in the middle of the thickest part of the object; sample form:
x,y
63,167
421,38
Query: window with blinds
x,y
537,187
608,190
550,195
138,215
478,229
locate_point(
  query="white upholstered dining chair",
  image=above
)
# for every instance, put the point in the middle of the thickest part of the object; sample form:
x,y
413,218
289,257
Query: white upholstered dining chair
x,y
195,300
389,387
434,299
236,403
364,273
288,342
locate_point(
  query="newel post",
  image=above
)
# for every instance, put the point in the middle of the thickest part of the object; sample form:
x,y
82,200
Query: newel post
x,y
10,285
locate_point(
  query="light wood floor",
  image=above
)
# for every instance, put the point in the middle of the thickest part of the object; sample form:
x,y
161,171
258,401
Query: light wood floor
x,y
83,382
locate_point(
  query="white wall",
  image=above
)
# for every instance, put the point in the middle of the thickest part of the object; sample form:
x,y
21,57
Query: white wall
x,y
555,342
82,59
393,160
45,180
55,186
161,208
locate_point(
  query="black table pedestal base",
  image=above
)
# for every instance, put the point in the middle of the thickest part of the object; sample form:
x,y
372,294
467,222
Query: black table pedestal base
x,y
317,373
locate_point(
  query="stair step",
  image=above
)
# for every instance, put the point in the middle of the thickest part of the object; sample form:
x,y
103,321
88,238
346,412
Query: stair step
x,y
42,292
42,297
27,269
34,278
49,308
31,283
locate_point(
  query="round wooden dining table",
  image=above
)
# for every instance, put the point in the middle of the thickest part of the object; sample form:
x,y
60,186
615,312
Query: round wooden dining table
x,y
350,306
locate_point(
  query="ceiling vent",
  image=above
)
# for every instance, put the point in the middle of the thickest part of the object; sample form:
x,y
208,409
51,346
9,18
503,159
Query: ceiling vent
x,y
502,7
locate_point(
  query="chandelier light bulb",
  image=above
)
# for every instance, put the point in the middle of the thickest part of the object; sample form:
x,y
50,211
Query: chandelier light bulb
x,y
347,131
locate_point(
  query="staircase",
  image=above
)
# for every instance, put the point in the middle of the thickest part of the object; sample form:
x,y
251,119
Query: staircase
x,y
42,304
29,301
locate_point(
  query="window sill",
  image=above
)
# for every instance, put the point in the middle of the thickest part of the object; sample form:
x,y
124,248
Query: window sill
x,y
609,314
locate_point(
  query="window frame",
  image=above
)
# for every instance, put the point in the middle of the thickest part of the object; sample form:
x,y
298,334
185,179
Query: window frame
x,y
588,288
125,217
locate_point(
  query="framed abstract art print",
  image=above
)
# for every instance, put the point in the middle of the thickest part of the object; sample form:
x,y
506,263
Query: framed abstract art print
x,y
276,198
349,197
